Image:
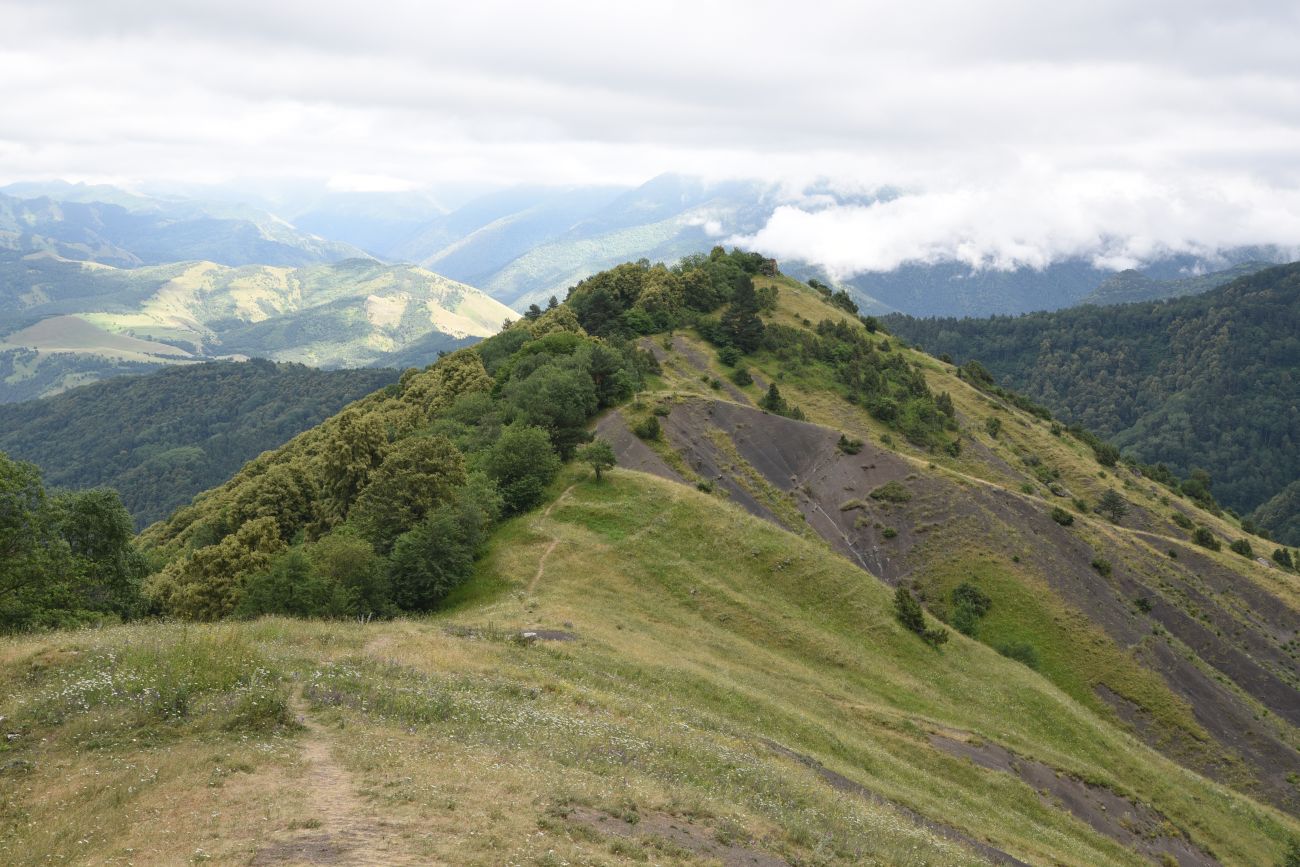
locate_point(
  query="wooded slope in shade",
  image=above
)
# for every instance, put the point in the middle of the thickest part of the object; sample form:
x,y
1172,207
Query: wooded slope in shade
x,y
162,438
1210,381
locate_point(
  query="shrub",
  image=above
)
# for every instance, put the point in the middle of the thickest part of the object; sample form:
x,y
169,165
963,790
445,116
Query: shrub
x,y
1283,558
260,708
729,355
1143,604
1242,547
891,492
773,401
741,376
889,532
648,428
1205,537
1021,651
909,614
1102,566
1197,487
969,604
1107,455
849,446
993,426
908,611
1062,517
1182,520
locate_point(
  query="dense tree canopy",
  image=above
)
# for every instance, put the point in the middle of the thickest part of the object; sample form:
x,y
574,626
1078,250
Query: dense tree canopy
x,y
386,505
162,438
64,560
1209,381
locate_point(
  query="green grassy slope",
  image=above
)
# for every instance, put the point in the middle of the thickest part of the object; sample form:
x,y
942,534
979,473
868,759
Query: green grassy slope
x,y
464,744
1192,650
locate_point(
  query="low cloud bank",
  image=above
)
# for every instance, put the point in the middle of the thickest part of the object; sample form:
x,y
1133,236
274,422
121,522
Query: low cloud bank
x,y
1115,221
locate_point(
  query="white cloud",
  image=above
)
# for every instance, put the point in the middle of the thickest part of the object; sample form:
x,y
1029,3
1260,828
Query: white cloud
x,y
1018,129
1118,220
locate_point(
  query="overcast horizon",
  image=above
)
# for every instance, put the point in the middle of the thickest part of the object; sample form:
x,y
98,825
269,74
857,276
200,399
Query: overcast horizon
x,y
1013,134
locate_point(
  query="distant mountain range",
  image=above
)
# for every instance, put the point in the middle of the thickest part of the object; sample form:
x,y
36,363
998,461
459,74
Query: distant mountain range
x,y
523,244
65,323
953,289
130,231
1130,286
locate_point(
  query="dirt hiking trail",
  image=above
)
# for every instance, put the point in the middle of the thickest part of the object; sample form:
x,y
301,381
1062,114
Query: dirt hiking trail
x,y
338,826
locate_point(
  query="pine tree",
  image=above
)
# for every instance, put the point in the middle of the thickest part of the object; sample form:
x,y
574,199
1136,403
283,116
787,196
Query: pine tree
x,y
741,323
773,401
1113,506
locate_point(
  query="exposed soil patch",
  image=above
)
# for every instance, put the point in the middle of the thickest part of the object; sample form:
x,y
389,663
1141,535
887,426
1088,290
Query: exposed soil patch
x,y
677,832
700,366
841,783
1133,825
687,430
340,828
1132,713
632,453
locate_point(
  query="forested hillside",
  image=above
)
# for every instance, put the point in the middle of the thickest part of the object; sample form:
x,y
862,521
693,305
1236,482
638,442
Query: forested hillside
x,y
1210,381
160,439
1132,285
1280,515
385,506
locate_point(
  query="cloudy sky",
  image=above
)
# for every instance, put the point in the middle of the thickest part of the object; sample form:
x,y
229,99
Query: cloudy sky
x,y
1016,132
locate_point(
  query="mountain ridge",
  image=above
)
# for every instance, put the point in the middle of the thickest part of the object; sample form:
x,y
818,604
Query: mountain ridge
x,y
612,660
352,313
